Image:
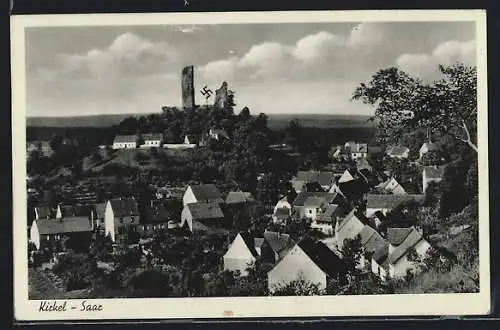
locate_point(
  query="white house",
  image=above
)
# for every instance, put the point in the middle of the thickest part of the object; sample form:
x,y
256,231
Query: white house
x,y
431,174
392,260
311,261
202,193
241,254
152,140
359,150
125,142
348,227
310,204
391,186
282,210
120,212
326,221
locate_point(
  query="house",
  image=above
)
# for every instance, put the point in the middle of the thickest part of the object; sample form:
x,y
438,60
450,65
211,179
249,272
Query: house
x,y
391,186
380,262
427,147
371,241
432,174
202,193
241,254
349,227
275,246
125,142
394,258
353,190
152,140
386,202
207,214
120,213
156,217
398,152
239,197
189,142
324,178
326,220
218,134
348,175
358,150
42,212
45,230
310,204
308,260
282,211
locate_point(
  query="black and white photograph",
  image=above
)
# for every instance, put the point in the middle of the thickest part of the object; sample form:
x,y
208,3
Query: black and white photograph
x,y
268,160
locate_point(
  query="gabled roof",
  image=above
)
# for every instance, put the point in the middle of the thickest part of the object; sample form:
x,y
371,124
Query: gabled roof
x,y
381,253
278,242
397,151
396,236
250,243
64,226
304,196
237,197
43,211
359,147
353,214
371,240
124,207
362,163
353,188
258,242
434,172
322,256
329,213
125,138
206,192
201,211
324,178
152,137
75,211
382,201
411,240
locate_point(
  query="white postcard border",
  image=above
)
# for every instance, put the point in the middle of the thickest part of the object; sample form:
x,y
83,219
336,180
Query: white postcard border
x,y
193,308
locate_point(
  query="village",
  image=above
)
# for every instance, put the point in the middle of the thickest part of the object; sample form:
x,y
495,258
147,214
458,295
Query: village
x,y
348,204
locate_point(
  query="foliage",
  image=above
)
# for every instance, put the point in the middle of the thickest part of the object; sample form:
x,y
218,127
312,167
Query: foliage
x,y
402,103
299,287
352,251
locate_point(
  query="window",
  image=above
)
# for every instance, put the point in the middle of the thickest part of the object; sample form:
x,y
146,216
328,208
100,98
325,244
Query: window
x,y
310,211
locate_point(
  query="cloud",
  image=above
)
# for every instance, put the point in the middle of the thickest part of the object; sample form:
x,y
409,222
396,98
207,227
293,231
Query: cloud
x,y
446,53
128,55
365,34
313,47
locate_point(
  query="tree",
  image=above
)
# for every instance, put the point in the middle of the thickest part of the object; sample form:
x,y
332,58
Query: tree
x,y
352,251
299,287
293,132
402,103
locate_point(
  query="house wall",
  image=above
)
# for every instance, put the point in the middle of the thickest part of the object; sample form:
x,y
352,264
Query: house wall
x,y
345,177
238,257
178,146
400,268
124,145
186,217
35,235
378,270
151,143
189,197
399,190
426,181
311,212
109,221
349,230
294,266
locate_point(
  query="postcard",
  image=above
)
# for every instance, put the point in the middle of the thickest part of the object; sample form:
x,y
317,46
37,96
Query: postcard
x,y
250,165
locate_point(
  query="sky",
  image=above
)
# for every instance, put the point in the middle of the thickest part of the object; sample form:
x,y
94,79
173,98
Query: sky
x,y
286,68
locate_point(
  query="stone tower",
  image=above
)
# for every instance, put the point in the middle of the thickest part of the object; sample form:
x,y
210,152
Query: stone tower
x,y
188,87
221,96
